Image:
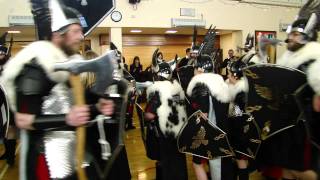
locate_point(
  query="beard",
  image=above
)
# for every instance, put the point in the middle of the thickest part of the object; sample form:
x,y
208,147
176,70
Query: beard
x,y
68,49
294,46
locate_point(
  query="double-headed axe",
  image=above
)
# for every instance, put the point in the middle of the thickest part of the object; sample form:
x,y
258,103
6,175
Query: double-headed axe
x,y
103,68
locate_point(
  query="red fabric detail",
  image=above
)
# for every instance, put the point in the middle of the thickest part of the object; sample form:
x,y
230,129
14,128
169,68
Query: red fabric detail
x,y
42,171
24,107
272,171
243,157
204,161
195,105
307,154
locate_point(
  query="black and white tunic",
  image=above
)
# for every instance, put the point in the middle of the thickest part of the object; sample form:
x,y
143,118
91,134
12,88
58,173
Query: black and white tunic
x,y
166,100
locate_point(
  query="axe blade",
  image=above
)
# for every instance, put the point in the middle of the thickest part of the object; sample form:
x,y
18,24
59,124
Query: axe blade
x,y
102,67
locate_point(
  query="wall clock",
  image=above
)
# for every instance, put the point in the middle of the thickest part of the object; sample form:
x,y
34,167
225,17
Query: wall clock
x,y
116,16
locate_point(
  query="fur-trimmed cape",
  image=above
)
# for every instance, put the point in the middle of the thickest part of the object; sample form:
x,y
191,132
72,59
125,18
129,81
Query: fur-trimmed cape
x,y
171,115
311,51
215,83
240,86
313,75
45,54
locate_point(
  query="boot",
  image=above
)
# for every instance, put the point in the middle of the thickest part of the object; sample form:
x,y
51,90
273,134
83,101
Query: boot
x,y
4,155
10,151
129,122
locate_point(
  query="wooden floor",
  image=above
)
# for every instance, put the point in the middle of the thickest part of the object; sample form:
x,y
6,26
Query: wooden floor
x,y
141,167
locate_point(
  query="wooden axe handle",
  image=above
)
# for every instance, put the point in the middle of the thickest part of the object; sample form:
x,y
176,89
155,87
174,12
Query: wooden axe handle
x,y
78,94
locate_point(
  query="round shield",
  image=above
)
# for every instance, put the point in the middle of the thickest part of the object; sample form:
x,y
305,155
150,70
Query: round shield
x,y
5,113
271,97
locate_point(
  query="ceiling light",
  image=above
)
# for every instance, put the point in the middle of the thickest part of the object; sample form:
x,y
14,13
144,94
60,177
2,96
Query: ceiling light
x,y
14,32
171,31
135,31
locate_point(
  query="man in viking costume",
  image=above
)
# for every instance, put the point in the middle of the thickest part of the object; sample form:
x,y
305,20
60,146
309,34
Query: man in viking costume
x,y
244,134
105,149
166,109
294,153
209,99
209,93
40,97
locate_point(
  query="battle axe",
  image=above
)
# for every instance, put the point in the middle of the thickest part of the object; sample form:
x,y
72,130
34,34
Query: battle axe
x,y
103,67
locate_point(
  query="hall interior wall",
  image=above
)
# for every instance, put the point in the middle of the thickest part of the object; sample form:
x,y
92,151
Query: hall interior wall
x,y
223,14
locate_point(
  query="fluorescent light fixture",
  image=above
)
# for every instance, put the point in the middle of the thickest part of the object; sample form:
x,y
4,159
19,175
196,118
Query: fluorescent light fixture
x,y
14,32
171,31
136,31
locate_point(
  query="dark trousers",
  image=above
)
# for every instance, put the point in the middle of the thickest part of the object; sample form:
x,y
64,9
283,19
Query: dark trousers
x,y
173,163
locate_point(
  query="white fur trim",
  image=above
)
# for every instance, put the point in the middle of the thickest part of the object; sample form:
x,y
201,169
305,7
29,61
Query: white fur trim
x,y
240,86
294,59
313,75
218,88
166,91
257,60
46,55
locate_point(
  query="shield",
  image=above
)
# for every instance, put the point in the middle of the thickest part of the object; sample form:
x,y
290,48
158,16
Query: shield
x,y
114,127
93,11
5,113
271,98
202,138
244,135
